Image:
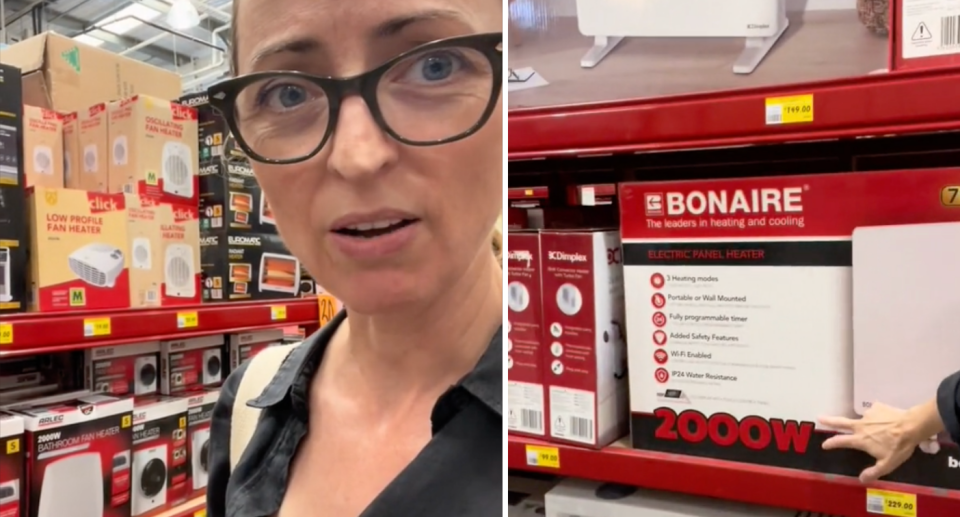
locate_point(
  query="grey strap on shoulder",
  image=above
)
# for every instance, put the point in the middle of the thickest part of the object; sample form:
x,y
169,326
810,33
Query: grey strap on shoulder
x,y
243,422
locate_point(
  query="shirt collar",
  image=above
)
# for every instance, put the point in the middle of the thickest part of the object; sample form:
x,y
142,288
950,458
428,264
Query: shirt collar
x,y
485,381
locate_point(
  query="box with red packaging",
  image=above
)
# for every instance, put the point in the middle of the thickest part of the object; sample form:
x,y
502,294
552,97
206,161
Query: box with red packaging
x,y
191,364
584,344
160,456
525,367
123,370
12,467
200,414
245,345
79,457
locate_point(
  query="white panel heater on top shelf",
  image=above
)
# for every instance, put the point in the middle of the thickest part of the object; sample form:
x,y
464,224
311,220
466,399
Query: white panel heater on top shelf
x,y
761,22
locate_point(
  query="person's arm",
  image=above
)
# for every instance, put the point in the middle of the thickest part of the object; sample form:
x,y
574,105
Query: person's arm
x,y
947,406
219,458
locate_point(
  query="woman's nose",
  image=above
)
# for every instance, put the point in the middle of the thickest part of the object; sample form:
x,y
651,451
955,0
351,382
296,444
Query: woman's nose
x,y
359,147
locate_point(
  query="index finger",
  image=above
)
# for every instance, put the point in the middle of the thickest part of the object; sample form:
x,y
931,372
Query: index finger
x,y
838,422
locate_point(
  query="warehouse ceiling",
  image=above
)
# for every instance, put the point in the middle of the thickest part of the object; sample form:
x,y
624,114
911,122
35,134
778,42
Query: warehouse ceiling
x,y
135,28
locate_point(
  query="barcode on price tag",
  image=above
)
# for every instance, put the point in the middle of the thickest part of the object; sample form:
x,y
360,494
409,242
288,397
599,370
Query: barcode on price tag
x,y
895,504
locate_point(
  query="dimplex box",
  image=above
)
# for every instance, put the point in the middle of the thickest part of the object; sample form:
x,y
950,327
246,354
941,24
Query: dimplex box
x,y
525,368
249,267
42,147
160,454
13,488
198,437
123,370
78,243
79,454
191,364
584,343
164,253
245,345
94,149
153,149
740,293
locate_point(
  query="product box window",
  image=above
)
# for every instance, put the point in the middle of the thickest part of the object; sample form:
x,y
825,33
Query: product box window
x,y
525,362
191,364
160,454
198,437
243,266
132,369
13,489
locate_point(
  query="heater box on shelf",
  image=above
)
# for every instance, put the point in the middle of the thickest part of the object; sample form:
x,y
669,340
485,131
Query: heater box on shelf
x,y
42,147
231,199
200,413
12,466
98,152
132,369
191,364
249,266
160,454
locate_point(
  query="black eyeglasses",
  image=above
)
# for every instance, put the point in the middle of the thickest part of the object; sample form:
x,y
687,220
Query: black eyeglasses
x,y
434,94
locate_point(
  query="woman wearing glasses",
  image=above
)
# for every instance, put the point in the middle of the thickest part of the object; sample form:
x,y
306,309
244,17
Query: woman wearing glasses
x,y
375,130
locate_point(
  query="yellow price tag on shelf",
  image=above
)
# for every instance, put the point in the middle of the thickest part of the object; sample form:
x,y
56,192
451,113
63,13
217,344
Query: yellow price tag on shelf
x,y
200,513
96,327
6,334
328,308
887,502
546,457
797,109
278,312
13,446
950,196
187,320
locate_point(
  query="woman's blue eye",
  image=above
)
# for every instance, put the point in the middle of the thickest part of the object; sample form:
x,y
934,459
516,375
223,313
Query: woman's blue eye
x,y
438,67
286,96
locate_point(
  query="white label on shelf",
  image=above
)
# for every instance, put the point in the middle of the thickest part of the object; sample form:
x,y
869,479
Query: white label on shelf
x,y
573,415
930,28
525,403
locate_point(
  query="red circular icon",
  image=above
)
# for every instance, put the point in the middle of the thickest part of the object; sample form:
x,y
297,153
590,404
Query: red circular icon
x,y
658,301
659,319
657,280
660,356
662,375
659,338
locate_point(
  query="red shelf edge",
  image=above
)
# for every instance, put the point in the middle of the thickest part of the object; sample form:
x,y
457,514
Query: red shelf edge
x,y
769,486
188,509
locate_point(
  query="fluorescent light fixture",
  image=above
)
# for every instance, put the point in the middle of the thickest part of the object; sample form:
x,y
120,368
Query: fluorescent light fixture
x,y
87,39
116,23
183,15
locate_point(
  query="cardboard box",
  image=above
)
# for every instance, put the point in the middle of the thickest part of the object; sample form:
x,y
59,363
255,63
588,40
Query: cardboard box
x,y
924,34
213,128
198,437
584,343
160,454
741,290
191,364
61,74
13,231
164,253
249,267
245,345
132,369
95,151
13,480
153,149
525,360
42,147
78,243
79,454
72,152
231,198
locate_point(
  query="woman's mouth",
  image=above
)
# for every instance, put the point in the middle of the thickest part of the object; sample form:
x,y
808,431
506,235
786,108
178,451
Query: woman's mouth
x,y
374,229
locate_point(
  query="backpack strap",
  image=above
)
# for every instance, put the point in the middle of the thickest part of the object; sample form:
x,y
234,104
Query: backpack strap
x,y
260,371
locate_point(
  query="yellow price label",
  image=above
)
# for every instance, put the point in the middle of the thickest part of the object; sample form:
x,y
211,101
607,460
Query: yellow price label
x,y
126,421
187,320
328,308
886,502
200,513
6,334
949,196
528,192
546,457
278,312
13,446
796,109
183,422
96,327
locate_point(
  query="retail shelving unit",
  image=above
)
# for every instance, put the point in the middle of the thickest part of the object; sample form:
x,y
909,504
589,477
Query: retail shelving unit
x,y
896,103
193,508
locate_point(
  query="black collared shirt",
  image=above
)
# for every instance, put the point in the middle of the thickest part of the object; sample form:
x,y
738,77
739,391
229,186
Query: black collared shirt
x,y
459,472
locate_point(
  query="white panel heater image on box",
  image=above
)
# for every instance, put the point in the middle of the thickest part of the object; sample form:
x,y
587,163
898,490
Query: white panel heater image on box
x,y
177,169
279,273
72,486
97,264
6,264
760,22
179,274
149,479
120,150
198,459
43,160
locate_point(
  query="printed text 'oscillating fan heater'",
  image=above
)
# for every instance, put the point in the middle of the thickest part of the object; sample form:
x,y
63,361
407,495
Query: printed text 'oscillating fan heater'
x,y
72,486
761,22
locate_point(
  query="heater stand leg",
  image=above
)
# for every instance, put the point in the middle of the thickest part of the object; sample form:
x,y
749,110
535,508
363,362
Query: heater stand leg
x,y
602,45
757,49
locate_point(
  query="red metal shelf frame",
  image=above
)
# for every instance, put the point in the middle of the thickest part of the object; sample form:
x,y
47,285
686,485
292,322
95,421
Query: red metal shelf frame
x,y
769,486
37,333
894,103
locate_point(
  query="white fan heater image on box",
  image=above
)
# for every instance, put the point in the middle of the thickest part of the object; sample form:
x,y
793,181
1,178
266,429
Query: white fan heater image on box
x,y
91,162
43,160
276,280
212,366
72,486
6,290
141,257
145,375
198,458
177,169
761,22
179,274
149,479
120,150
97,264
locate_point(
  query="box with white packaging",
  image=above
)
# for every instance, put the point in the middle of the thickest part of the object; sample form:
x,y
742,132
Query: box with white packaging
x,y
526,399
191,364
740,312
245,345
132,369
526,495
42,147
79,457
93,150
584,344
160,455
200,415
164,253
71,149
13,490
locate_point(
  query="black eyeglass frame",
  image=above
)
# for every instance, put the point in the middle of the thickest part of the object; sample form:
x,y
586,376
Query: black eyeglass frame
x,y
223,95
